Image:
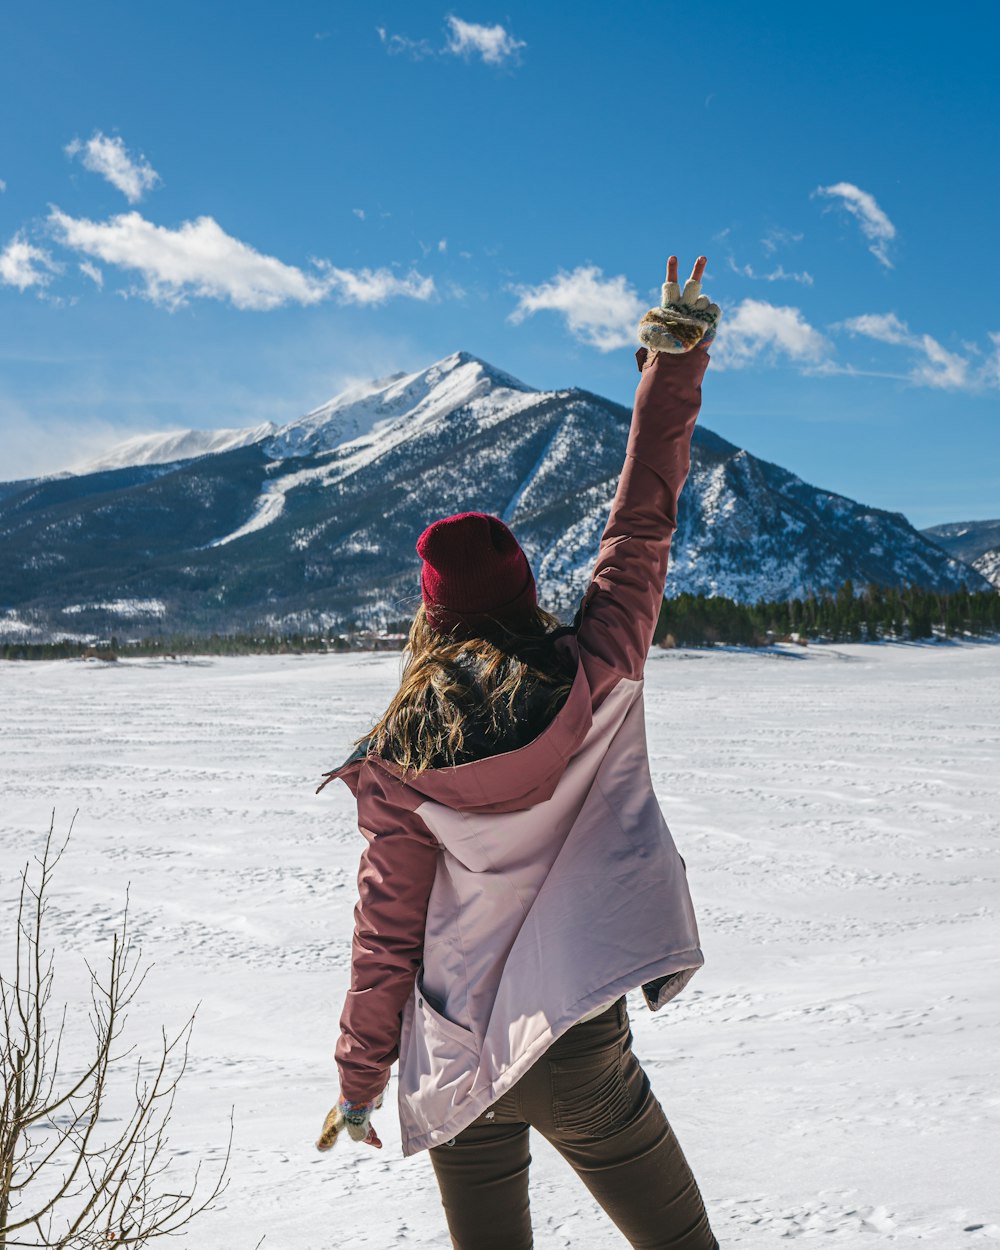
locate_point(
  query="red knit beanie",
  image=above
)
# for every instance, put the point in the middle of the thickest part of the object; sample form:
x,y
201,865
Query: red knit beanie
x,y
474,574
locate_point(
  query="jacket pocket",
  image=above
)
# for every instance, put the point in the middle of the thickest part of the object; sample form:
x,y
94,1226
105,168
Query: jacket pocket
x,y
436,1022
438,1064
590,1095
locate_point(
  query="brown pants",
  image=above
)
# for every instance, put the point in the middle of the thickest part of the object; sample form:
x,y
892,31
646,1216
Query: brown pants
x,y
590,1098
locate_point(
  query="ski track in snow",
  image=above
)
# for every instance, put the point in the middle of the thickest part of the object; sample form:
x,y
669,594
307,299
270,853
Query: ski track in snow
x,y
830,1072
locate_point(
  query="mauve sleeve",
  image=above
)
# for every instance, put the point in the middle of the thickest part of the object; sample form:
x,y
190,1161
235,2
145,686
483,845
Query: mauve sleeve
x,y
395,876
622,603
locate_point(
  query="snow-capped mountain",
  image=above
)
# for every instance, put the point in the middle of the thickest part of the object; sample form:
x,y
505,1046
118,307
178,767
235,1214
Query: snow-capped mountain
x,y
173,446
976,542
369,409
315,521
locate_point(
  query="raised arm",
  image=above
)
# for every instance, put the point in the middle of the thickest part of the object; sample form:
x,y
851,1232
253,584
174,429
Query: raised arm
x,y
622,604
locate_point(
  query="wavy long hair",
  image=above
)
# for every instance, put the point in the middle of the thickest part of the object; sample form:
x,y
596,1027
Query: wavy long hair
x,y
446,680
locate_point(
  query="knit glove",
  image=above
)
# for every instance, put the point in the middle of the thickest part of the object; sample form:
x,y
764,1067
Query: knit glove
x,y
355,1117
683,320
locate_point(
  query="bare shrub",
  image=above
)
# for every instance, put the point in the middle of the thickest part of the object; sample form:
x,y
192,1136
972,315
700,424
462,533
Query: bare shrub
x,y
70,1175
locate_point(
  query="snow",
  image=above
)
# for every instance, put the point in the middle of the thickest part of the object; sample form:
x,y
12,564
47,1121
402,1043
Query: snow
x,y
989,565
174,445
361,410
366,422
13,626
128,609
268,506
555,448
830,1072
368,408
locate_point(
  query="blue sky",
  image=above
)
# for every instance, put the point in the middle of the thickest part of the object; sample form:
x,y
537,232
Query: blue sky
x,y
214,215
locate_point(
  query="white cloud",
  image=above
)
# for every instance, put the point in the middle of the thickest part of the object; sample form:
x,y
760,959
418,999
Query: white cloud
x,y
941,368
777,275
885,327
199,259
109,157
23,265
359,213
938,367
375,286
3,186
492,43
875,225
92,272
756,330
602,312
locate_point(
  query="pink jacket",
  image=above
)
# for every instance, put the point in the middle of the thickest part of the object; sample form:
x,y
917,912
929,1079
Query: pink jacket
x,y
502,900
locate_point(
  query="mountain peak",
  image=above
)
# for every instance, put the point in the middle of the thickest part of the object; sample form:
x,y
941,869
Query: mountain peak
x,y
356,411
366,407
461,359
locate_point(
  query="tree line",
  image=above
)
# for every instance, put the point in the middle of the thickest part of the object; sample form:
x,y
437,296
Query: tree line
x,y
906,613
172,646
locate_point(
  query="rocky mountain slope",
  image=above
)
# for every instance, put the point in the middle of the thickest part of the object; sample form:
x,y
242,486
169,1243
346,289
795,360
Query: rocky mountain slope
x,y
314,522
975,542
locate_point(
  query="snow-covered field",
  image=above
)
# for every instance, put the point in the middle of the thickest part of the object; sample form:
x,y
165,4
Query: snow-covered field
x,y
831,1072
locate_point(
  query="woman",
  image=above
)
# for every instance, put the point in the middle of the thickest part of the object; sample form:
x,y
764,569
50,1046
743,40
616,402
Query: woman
x,y
519,877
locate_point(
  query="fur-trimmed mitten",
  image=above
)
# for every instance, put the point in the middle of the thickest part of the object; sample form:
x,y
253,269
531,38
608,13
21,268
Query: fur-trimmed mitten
x,y
355,1117
683,320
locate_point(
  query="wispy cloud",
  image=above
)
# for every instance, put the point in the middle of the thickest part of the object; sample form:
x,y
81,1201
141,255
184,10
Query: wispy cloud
x,y
109,157
402,44
936,367
3,186
602,312
776,275
875,225
493,44
779,237
24,265
832,368
199,259
758,331
92,272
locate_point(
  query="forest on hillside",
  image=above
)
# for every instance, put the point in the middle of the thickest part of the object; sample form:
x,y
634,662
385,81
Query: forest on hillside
x,y
875,613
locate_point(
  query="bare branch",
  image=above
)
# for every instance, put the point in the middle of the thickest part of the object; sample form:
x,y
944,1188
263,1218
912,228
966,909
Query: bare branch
x,y
105,1188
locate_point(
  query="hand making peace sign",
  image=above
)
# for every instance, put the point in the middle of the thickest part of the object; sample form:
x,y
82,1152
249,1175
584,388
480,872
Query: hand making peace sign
x,y
685,319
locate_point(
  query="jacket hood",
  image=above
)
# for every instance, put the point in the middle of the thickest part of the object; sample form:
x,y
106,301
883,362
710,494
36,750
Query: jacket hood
x,y
508,781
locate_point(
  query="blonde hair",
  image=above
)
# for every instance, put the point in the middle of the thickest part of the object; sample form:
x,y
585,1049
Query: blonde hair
x,y
424,725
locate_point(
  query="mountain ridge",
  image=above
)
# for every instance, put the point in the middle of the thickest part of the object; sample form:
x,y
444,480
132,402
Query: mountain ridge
x,y
975,542
314,523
